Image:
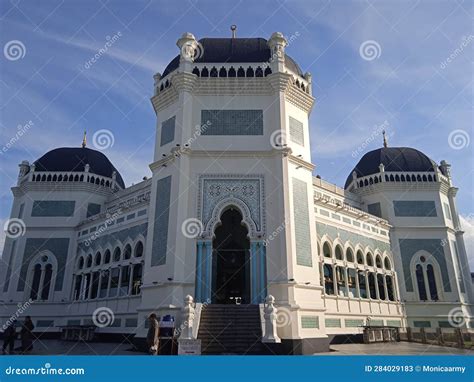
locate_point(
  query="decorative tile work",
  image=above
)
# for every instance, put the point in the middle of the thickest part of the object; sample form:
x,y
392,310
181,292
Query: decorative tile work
x,y
374,209
73,322
333,323
408,247
422,324
232,122
301,222
395,323
376,323
352,323
93,209
58,246
244,191
52,208
110,240
310,322
334,232
167,131
44,323
296,131
160,229
131,322
141,213
414,208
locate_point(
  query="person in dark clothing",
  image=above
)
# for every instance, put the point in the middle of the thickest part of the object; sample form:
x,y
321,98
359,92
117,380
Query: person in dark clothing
x,y
9,336
26,334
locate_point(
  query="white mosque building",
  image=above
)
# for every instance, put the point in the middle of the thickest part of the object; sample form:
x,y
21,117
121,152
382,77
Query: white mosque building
x,y
232,214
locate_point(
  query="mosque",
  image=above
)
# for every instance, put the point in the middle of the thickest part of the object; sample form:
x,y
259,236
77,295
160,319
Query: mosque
x,y
232,214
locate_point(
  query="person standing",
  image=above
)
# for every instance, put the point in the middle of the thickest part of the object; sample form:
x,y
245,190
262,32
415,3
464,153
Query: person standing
x,y
152,338
9,336
26,334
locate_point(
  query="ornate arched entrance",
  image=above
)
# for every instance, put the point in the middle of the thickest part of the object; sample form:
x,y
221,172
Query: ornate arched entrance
x,y
231,260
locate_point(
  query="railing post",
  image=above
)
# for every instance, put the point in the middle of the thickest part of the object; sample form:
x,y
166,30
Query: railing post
x,y
188,319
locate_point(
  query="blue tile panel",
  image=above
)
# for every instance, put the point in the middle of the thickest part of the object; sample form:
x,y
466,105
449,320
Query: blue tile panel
x,y
232,122
302,225
333,323
93,209
374,209
422,324
408,248
414,208
52,208
296,131
334,232
58,246
167,131
160,229
310,322
110,240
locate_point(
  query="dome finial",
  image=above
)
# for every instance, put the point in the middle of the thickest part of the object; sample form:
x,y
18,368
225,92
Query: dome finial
x,y
84,141
233,28
385,144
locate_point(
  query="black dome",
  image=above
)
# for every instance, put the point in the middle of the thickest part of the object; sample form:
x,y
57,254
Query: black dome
x,y
394,159
225,50
74,159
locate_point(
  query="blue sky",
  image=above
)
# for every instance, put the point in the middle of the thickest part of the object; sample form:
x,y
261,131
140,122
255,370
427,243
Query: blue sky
x,y
409,84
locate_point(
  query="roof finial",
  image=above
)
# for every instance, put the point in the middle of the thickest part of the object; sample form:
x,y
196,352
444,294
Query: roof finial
x,y
84,141
384,139
233,28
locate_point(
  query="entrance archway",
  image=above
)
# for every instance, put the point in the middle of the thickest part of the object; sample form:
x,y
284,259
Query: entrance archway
x,y
230,260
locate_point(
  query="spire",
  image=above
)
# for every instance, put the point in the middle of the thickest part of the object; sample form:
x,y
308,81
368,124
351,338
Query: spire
x,y
233,28
384,139
84,142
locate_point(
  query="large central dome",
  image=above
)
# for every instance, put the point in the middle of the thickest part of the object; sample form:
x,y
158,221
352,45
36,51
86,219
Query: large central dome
x,y
228,50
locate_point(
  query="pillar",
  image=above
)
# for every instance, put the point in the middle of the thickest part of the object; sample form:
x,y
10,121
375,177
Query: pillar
x,y
199,271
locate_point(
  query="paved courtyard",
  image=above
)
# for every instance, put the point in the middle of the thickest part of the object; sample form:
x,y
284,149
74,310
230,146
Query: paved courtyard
x,y
57,347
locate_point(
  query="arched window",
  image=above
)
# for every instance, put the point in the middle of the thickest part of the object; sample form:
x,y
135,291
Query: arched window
x,y
378,261
268,71
89,261
196,71
98,258
139,249
222,72
204,72
48,274
232,72
259,72
80,263
420,280
104,283
77,287
127,253
372,286
360,257
326,250
328,279
339,255
250,72
107,257
381,286
117,254
341,281
432,282
362,284
136,279
390,290
370,259
387,264
241,72
213,72
35,282
349,255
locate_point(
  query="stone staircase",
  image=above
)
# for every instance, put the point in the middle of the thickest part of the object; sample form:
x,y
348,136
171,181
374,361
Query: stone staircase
x,y
231,329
